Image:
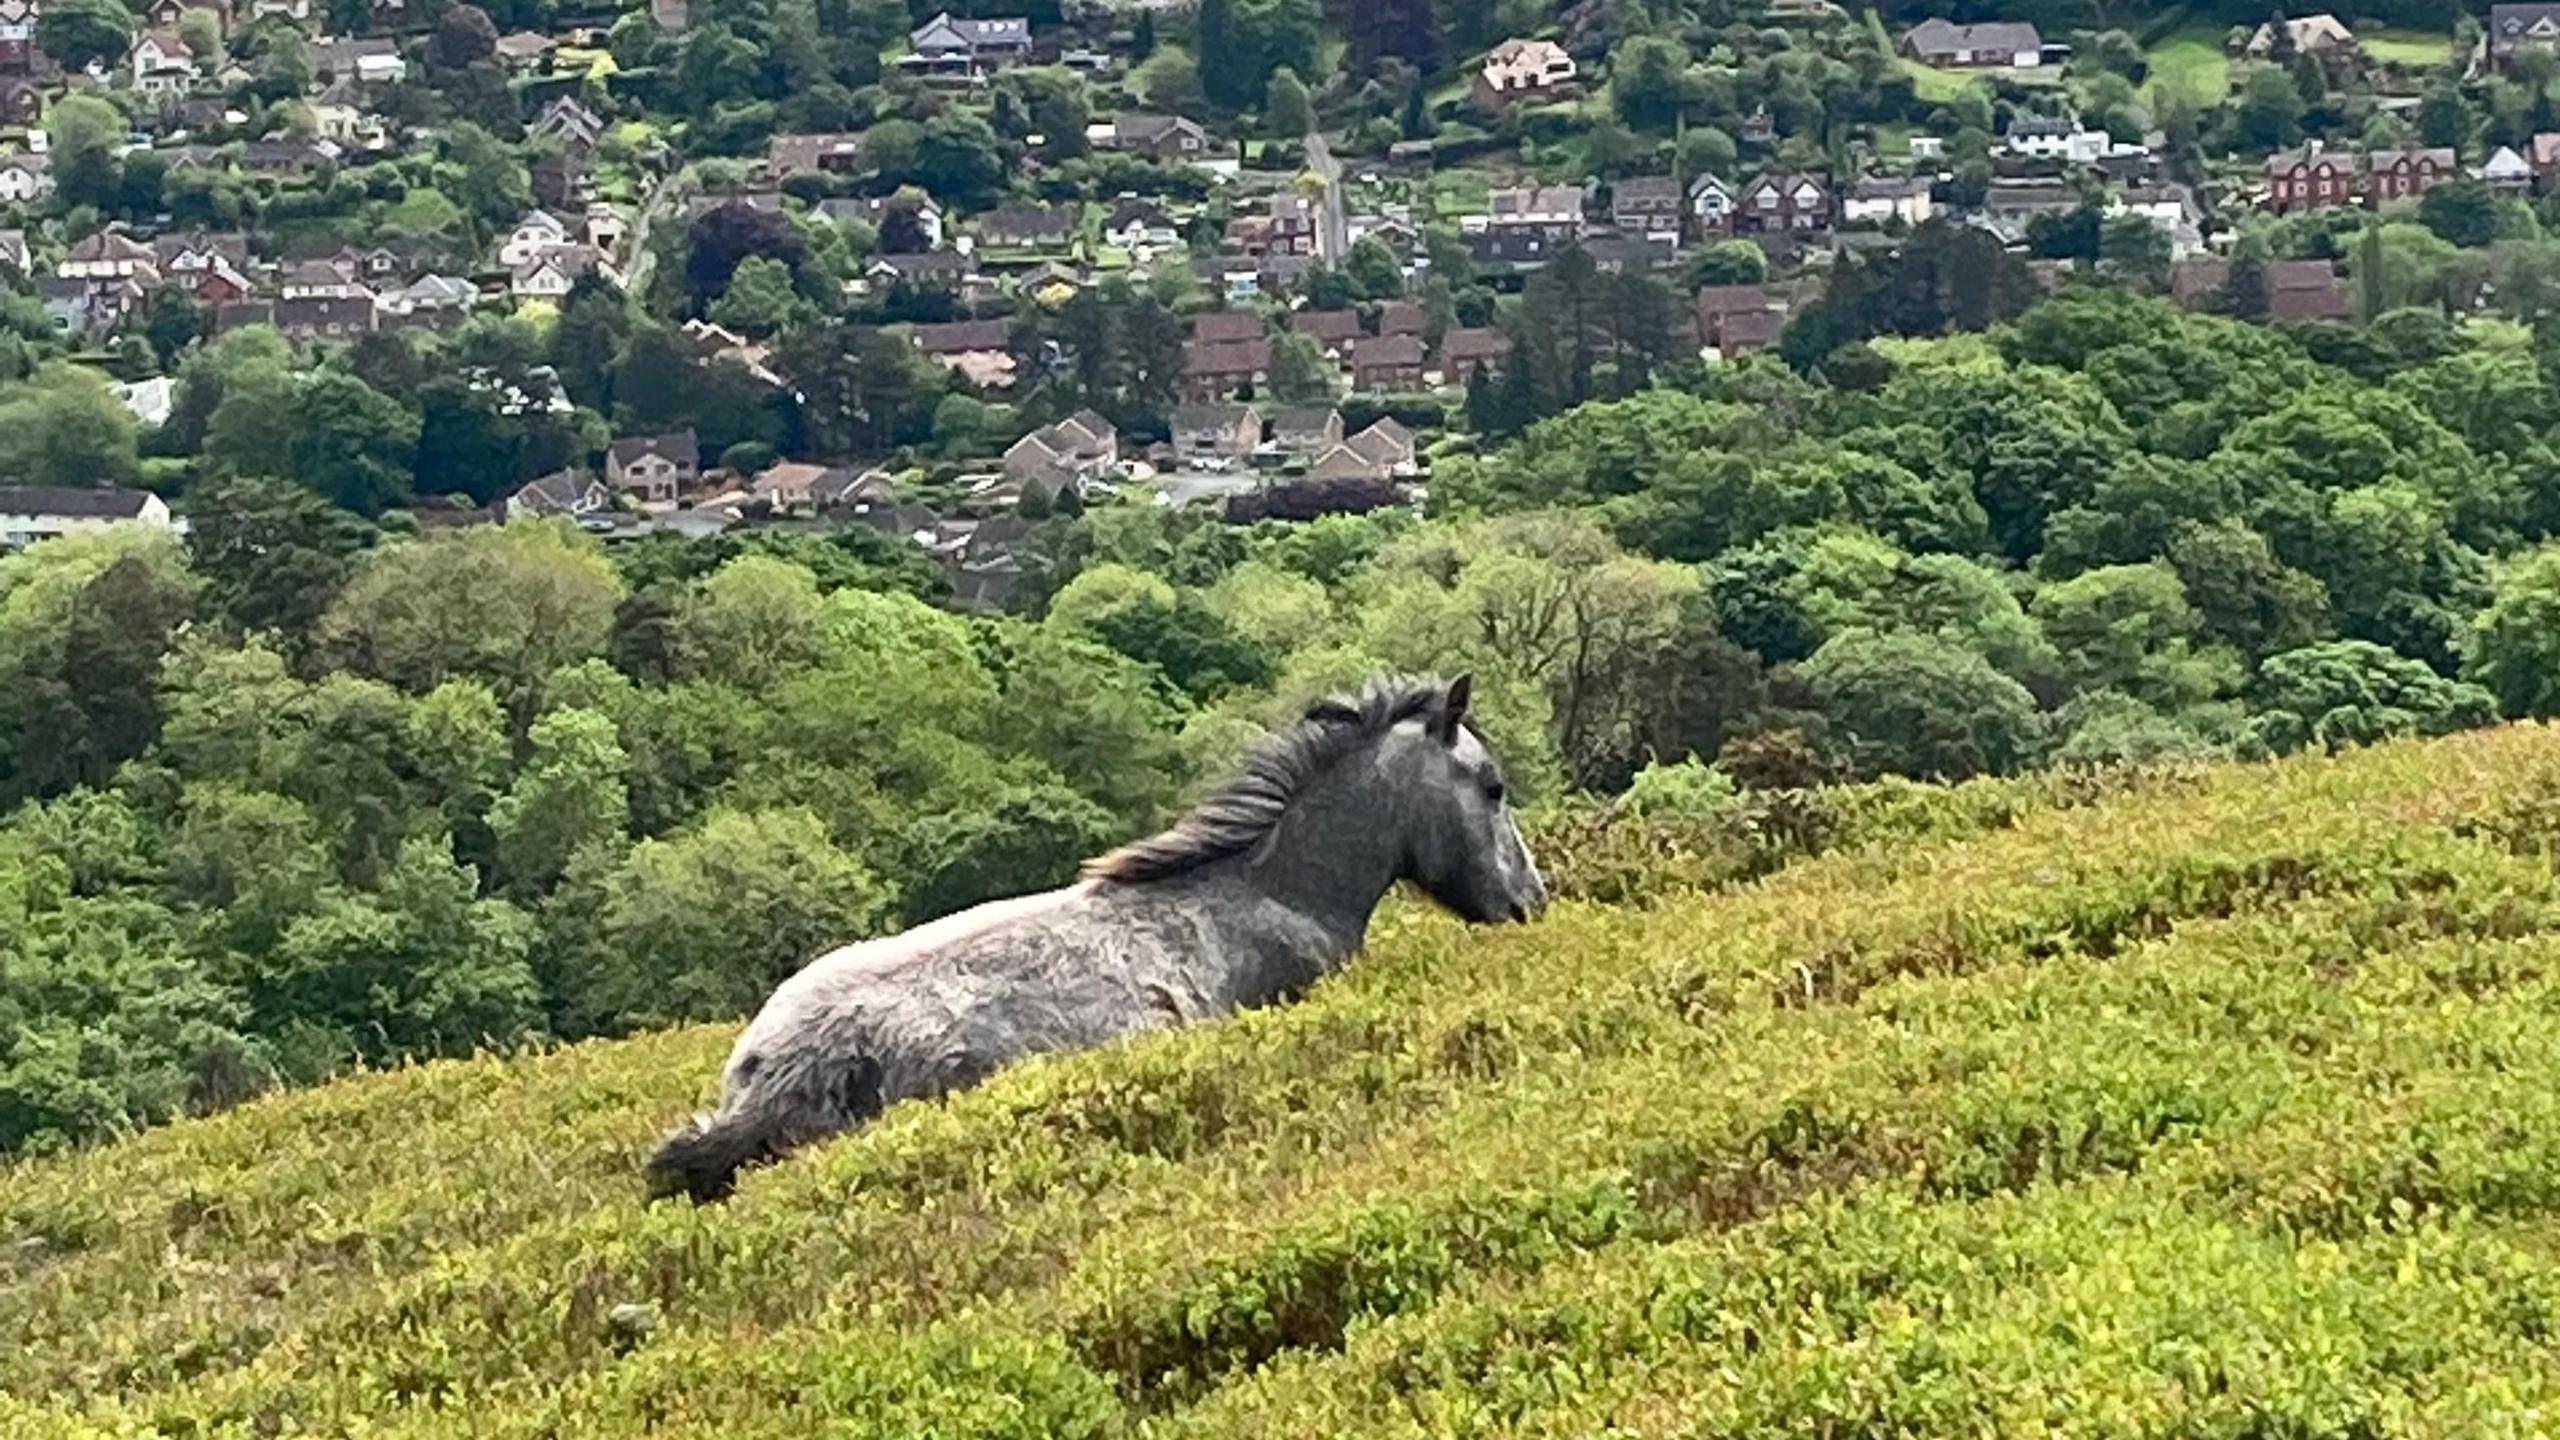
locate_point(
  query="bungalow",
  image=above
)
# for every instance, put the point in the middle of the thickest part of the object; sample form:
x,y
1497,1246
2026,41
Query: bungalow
x,y
2001,45
2322,34
1646,205
1029,227
826,153
1219,371
1878,199
980,350
906,223
1524,70
1216,432
1137,223
2507,171
947,271
569,492
2053,137
1163,138
789,486
431,295
29,513
1382,450
657,468
525,51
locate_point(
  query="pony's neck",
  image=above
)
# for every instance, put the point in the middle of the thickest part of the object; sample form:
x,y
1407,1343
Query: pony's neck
x,y
1298,905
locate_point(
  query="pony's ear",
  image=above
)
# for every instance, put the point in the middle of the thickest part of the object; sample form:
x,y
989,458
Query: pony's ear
x,y
1332,712
1453,709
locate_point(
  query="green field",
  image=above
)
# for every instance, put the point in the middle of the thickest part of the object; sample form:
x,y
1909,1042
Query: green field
x,y
2189,61
2418,49
1932,83
2220,1104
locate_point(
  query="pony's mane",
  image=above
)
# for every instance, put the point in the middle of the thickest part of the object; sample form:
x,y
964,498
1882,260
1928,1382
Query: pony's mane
x,y
1237,815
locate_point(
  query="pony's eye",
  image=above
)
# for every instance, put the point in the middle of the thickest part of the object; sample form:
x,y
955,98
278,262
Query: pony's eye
x,y
1493,791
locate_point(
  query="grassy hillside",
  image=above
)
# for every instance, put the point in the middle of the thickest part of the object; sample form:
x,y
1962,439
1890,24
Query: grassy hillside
x,y
2223,1107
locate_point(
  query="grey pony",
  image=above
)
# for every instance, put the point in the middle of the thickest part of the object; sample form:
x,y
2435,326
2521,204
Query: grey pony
x,y
1267,885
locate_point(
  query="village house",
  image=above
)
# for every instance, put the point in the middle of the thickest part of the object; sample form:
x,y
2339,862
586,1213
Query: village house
x,y
161,64
538,231
1336,330
2543,152
1164,138
25,178
967,48
1215,433
2323,34
1389,363
21,101
1138,223
1710,205
906,222
1464,351
2515,29
1783,203
1221,327
2507,171
553,273
1221,370
789,487
1881,199
108,255
945,271
1083,448
367,60
829,153
526,52
2306,290
570,492
980,350
2055,137
29,513
18,36
1524,70
320,279
1995,45
656,468
2407,174
321,319
1524,228
1733,319
1303,433
1384,449
1029,227
572,124
1646,205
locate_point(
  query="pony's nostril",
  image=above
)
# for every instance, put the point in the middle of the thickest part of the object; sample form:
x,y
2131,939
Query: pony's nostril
x,y
1519,913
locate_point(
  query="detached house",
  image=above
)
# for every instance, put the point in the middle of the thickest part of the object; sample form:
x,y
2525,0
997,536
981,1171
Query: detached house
x,y
657,468
25,178
538,231
1140,224
161,64
948,46
1646,205
1465,351
1710,205
29,513
1167,138
2321,34
562,492
1524,70
1998,45
833,153
1029,227
2516,29
572,124
1305,433
1222,433
1388,363
1078,451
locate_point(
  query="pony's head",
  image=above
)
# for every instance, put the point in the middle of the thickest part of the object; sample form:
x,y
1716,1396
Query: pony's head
x,y
1463,845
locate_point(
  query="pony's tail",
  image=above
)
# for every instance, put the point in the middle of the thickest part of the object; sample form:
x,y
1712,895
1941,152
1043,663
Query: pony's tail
x,y
702,1160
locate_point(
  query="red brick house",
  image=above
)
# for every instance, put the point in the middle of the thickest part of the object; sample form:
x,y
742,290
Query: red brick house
x,y
2311,178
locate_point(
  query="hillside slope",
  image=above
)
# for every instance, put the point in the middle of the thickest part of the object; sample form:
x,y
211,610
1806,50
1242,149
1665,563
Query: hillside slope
x,y
2221,1108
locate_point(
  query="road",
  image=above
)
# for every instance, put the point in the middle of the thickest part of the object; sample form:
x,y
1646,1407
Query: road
x,y
635,269
1333,220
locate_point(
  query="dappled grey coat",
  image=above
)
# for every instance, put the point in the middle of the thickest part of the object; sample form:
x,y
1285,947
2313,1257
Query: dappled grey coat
x,y
1264,887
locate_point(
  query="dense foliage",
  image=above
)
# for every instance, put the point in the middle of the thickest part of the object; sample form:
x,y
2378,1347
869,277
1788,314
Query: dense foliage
x,y
2195,1111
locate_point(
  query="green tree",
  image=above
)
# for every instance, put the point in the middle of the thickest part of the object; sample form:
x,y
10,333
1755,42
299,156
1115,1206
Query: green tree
x,y
272,555
1913,705
1287,113
85,623
2354,692
482,175
2461,211
761,299
1649,80
2513,647
2129,628
1300,373
84,133
568,797
1374,269
353,443
65,427
76,34
706,923
541,597
1031,839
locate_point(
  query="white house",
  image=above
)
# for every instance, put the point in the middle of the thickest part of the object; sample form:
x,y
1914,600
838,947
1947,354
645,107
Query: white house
x,y
1710,203
149,400
538,231
1521,69
2043,137
24,178
1882,198
2507,170
29,513
161,64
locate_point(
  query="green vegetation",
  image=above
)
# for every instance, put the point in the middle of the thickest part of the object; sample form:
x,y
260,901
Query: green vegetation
x,y
2202,1109
2189,62
2418,49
